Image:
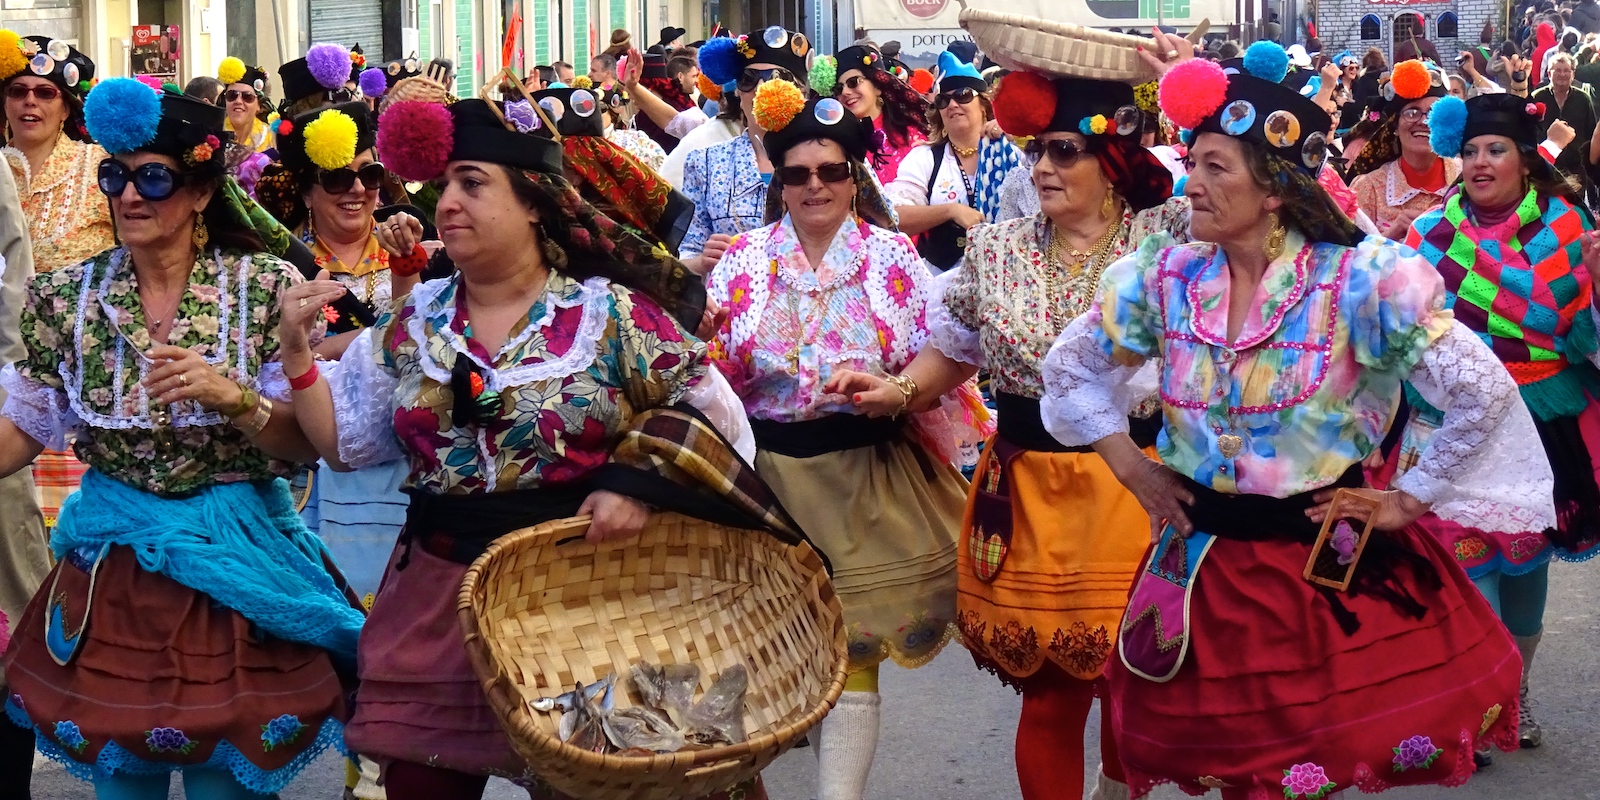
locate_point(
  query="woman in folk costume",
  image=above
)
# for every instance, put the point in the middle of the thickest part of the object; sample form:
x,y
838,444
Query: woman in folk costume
x,y
1041,592
828,285
1509,242
1284,340
899,115
508,388
1396,176
191,623
244,95
947,186
54,163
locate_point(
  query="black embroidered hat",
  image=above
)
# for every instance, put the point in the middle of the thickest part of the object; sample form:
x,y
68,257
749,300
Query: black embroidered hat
x,y
1251,105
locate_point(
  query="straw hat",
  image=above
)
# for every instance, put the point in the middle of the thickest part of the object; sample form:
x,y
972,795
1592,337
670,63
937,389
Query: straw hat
x,y
1061,49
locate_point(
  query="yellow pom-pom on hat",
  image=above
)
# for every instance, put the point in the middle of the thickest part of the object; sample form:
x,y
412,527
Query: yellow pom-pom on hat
x,y
1097,123
12,61
230,71
776,104
1410,79
331,140
582,82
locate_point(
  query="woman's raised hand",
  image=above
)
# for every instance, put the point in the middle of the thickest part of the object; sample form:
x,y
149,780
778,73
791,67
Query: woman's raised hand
x,y
400,234
302,307
1168,50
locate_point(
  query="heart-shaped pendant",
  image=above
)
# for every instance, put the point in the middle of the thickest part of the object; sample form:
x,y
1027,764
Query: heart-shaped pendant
x,y
1230,445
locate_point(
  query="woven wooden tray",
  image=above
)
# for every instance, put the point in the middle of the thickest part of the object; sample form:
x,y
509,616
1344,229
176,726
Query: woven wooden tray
x,y
1018,42
541,610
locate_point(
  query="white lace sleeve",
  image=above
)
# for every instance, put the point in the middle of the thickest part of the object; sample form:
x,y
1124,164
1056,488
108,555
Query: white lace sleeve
x,y
37,409
363,404
1084,396
945,332
1484,467
715,398
272,384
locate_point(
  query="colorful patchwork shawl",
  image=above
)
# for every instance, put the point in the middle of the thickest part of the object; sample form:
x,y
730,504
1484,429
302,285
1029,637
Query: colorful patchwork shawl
x,y
1531,304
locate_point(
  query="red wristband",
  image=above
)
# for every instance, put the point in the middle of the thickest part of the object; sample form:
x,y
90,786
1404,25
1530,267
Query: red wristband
x,y
305,381
407,265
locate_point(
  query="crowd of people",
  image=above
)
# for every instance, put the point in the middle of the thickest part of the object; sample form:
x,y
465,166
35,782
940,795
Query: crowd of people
x,y
1081,374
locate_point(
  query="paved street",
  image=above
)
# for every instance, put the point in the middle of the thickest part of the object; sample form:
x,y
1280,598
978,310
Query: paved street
x,y
948,730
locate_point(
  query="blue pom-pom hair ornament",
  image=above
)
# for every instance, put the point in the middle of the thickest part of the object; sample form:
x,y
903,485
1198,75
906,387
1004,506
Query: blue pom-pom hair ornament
x,y
721,61
1447,122
122,114
1267,61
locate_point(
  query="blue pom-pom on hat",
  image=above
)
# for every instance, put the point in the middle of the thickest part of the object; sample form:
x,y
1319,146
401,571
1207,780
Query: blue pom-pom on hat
x,y
1447,122
720,60
122,114
1179,185
1267,61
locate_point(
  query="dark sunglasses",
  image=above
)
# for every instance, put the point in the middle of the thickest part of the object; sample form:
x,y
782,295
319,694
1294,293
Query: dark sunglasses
x,y
962,96
240,94
752,77
43,91
851,83
827,173
153,181
1062,152
343,179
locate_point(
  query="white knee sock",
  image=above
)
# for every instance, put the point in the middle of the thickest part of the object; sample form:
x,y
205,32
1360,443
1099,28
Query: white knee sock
x,y
848,743
1108,788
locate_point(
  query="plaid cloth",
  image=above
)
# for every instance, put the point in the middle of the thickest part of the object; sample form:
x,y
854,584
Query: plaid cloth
x,y
701,471
57,473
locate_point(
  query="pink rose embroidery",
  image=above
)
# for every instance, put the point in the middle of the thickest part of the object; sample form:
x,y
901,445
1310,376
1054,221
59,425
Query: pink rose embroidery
x,y
1307,781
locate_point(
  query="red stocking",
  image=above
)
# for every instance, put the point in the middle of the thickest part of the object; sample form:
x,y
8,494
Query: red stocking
x,y
1050,736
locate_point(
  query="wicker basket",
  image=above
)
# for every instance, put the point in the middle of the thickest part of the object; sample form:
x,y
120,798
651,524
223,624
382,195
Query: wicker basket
x,y
1018,42
540,611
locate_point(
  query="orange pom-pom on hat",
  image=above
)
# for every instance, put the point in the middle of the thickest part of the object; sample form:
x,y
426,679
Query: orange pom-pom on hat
x,y
921,81
1410,80
1025,103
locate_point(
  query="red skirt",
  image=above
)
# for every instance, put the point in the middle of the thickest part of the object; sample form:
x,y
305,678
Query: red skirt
x,y
1275,700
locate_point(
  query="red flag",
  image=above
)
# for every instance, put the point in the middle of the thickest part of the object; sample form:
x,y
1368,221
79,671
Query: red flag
x,y
509,47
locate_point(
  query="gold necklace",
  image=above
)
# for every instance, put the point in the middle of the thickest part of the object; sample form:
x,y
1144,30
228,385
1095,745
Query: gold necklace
x,y
963,152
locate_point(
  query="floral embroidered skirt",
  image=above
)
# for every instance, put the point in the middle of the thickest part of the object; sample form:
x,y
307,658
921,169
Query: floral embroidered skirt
x,y
1049,546
886,516
1274,700
1573,446
420,700
166,679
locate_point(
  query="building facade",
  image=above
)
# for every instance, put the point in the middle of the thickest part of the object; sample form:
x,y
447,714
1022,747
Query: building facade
x,y
1357,25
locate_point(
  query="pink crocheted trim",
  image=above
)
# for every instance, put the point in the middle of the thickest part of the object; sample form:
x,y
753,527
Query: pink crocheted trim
x,y
1296,294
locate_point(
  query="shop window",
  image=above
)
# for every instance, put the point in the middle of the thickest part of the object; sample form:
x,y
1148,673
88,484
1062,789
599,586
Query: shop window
x,y
1446,26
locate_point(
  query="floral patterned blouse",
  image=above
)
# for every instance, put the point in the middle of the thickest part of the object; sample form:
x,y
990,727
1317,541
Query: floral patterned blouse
x,y
1001,312
639,145
581,363
1311,381
790,326
84,328
1385,194
68,218
728,191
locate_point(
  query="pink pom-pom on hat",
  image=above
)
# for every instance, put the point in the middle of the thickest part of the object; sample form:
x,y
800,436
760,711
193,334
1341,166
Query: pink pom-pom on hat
x,y
416,138
1192,91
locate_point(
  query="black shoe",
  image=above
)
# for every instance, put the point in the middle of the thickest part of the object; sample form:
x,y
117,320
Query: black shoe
x,y
1483,758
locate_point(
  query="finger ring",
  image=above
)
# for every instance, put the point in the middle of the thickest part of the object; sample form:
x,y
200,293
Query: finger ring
x,y
1173,53
302,302
183,379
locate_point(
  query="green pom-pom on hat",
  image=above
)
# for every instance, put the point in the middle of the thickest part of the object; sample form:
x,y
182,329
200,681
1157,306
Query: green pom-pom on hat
x,y
824,75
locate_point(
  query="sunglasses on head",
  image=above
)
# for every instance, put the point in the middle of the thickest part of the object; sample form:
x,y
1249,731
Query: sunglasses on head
x,y
752,77
240,94
1062,152
961,96
343,179
827,173
43,91
153,181
851,83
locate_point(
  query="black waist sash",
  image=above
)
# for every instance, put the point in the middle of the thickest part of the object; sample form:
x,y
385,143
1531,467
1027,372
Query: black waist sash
x,y
459,528
1020,422
1259,518
830,434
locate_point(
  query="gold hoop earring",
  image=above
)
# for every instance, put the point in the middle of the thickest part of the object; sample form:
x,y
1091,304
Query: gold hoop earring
x,y
201,236
1275,237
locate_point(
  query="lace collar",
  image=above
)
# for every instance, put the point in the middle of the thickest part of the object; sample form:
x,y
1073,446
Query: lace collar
x,y
840,263
1397,191
435,306
1281,288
